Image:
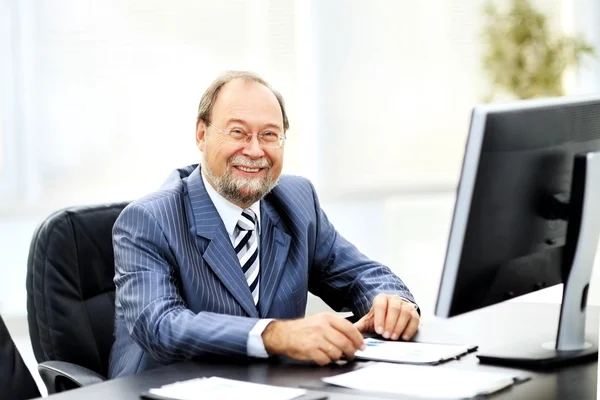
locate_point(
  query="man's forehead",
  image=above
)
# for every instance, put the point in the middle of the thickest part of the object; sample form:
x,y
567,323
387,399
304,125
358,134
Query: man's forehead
x,y
238,98
251,120
238,88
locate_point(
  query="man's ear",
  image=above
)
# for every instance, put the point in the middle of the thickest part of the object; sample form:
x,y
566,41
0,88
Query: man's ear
x,y
200,134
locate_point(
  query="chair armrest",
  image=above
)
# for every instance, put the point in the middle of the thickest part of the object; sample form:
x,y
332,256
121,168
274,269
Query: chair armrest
x,y
60,376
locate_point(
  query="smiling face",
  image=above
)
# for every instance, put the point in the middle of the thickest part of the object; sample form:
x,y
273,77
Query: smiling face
x,y
243,173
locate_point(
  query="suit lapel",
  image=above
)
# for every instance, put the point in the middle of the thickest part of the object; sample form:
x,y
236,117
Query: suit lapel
x,y
274,247
219,254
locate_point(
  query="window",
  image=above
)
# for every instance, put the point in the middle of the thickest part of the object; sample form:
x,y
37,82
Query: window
x,y
105,94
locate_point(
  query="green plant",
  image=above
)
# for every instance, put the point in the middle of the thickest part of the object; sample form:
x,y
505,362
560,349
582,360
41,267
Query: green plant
x,y
522,57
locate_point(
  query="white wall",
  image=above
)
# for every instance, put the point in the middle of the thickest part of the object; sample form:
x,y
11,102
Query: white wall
x,y
108,91
395,85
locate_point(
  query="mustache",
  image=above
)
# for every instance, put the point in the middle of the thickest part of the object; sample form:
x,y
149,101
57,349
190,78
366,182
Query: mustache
x,y
247,162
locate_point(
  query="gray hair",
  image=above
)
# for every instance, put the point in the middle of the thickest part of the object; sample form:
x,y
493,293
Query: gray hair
x,y
209,97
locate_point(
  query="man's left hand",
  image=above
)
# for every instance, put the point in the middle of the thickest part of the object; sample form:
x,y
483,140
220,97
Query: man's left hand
x,y
391,317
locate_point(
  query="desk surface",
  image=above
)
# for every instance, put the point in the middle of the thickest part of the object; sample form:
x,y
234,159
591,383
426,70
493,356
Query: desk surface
x,y
493,326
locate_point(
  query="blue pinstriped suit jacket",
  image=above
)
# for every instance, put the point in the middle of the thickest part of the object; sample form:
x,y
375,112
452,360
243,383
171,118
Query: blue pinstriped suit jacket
x,y
180,291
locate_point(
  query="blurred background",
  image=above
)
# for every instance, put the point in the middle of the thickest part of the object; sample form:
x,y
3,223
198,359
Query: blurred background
x,y
98,104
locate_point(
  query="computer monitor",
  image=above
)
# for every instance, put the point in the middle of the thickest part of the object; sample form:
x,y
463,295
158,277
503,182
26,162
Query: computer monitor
x,y
527,217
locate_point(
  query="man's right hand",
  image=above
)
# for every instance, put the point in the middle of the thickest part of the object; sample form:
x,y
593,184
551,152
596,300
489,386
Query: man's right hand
x,y
322,338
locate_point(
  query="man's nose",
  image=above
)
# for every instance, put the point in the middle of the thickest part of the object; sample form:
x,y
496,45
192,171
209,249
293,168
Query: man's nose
x,y
253,148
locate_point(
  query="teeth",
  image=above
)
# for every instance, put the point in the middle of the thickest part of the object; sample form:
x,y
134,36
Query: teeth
x,y
246,169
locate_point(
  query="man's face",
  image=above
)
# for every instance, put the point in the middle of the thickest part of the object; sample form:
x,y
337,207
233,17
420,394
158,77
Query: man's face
x,y
243,172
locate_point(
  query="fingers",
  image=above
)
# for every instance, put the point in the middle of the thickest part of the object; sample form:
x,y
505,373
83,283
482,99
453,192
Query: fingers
x,y
340,338
379,311
411,327
320,357
401,322
365,324
394,317
348,329
361,324
341,343
331,350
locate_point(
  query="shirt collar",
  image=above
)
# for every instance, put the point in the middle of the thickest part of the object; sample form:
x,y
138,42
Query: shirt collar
x,y
229,212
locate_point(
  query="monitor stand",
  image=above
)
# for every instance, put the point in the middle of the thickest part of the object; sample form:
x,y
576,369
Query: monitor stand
x,y
583,231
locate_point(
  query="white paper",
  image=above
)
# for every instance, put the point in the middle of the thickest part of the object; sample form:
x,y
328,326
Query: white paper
x,y
409,352
426,381
215,388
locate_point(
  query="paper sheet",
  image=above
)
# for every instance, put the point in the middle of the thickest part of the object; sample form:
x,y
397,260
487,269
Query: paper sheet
x,y
425,381
409,352
215,388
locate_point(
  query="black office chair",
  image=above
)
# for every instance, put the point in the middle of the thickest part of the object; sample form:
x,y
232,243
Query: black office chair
x,y
71,294
16,382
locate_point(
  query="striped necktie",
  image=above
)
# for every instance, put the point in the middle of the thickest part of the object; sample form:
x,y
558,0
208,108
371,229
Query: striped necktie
x,y
246,247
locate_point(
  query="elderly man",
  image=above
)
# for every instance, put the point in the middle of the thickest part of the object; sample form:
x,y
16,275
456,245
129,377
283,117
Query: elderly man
x,y
220,260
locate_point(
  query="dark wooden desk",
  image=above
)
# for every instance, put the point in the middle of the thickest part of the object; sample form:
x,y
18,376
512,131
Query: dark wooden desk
x,y
499,325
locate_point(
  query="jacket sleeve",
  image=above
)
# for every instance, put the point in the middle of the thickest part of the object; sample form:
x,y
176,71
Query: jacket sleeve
x,y
344,277
155,314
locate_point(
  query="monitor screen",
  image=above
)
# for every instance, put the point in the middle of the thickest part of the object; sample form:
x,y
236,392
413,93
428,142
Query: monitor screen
x,y
508,236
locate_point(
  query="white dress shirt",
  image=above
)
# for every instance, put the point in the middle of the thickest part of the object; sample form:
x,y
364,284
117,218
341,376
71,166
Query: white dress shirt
x,y
230,214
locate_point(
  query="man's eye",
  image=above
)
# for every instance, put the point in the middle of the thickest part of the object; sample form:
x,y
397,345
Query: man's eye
x,y
270,137
237,133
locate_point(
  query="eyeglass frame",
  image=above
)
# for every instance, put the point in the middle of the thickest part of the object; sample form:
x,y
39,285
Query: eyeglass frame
x,y
282,137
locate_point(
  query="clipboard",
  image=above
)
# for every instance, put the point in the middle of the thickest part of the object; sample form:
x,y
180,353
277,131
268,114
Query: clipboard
x,y
413,353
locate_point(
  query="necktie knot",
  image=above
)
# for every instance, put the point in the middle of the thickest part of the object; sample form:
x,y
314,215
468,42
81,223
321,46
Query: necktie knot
x,y
247,221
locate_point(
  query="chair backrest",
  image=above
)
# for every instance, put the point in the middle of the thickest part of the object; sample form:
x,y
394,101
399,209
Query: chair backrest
x,y
70,289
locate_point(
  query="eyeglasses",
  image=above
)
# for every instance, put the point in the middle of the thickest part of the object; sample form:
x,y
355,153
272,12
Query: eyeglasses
x,y
266,139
